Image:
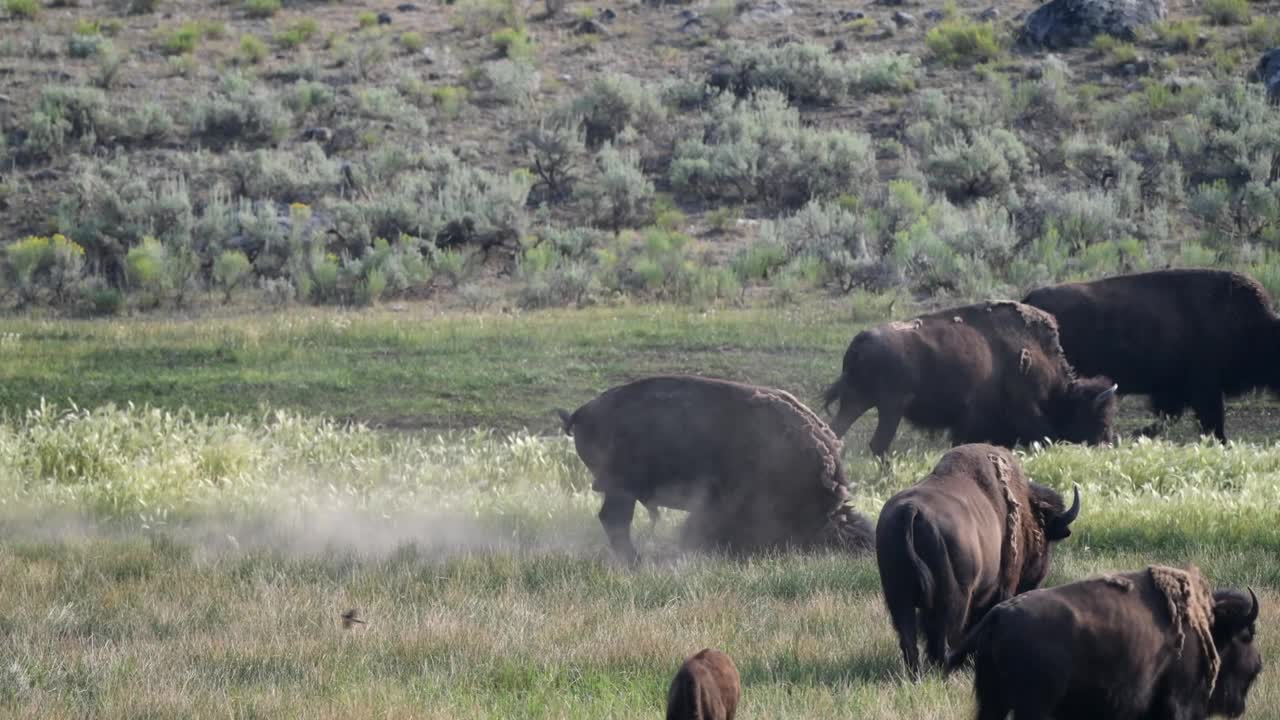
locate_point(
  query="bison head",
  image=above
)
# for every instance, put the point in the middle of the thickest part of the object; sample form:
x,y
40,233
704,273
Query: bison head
x,y
1054,519
1085,412
1234,615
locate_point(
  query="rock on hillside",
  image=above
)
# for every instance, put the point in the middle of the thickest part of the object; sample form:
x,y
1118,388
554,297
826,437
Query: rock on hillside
x,y
1065,23
1268,72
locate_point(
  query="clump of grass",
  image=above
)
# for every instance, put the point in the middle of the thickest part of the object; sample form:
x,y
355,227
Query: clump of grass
x,y
412,42
449,98
253,50
261,8
22,9
184,39
1117,52
512,43
1227,12
1179,35
299,33
963,42
367,19
1263,32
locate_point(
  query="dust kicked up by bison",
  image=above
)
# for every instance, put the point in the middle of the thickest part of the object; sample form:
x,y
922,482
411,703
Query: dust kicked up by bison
x,y
992,372
754,467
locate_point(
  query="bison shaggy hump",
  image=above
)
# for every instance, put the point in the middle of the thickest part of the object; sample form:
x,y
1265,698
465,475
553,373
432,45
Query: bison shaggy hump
x,y
992,372
1147,644
754,467
706,687
1185,338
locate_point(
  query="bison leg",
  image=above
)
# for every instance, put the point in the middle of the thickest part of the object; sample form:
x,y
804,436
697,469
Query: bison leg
x,y
904,623
1211,413
886,428
615,515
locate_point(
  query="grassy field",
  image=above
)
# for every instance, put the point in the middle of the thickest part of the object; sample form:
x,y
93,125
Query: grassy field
x,y
157,564
420,368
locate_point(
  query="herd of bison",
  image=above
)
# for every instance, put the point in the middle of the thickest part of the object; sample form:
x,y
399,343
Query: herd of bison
x,y
962,553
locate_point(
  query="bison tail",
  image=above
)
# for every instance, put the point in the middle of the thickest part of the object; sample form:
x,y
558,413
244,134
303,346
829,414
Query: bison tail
x,y
924,576
566,419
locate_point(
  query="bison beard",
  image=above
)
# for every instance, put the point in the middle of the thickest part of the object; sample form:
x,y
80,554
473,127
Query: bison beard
x,y
1185,338
992,372
1155,643
706,687
972,534
754,467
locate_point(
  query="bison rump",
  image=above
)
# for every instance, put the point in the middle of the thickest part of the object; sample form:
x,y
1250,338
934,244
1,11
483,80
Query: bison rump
x,y
706,687
973,533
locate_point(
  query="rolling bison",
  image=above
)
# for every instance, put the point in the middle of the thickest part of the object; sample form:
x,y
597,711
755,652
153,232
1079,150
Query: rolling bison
x,y
1185,338
1149,644
992,372
706,687
754,467
974,533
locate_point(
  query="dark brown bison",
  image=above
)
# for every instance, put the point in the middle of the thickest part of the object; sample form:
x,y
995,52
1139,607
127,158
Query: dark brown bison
x,y
706,687
992,372
1150,644
974,533
754,467
1185,338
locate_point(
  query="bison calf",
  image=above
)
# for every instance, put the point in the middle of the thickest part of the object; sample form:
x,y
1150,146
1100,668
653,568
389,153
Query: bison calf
x,y
754,467
706,687
1149,644
1183,337
972,534
992,372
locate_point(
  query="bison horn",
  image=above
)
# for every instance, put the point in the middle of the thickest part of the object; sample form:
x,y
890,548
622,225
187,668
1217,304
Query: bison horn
x,y
1073,512
1106,395
1253,612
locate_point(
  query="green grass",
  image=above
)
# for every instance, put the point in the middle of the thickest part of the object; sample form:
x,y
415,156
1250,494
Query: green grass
x,y
479,566
424,369
961,41
22,9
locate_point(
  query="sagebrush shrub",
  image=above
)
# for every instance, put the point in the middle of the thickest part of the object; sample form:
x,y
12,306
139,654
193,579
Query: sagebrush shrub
x,y
757,149
553,150
1227,12
22,9
38,265
960,41
230,269
239,112
261,8
808,73
986,164
613,102
618,194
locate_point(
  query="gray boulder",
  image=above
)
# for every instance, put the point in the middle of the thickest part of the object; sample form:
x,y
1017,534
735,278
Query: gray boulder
x,y
1065,23
1268,73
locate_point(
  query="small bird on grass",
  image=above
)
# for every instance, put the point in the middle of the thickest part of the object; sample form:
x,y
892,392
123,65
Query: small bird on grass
x,y
349,618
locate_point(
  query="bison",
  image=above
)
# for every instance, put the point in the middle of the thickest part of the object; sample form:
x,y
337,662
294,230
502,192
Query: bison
x,y
1185,338
972,534
754,467
1148,644
992,372
706,687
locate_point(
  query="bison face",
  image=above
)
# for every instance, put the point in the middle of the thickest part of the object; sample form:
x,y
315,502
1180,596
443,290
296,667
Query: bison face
x,y
1086,412
1233,631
